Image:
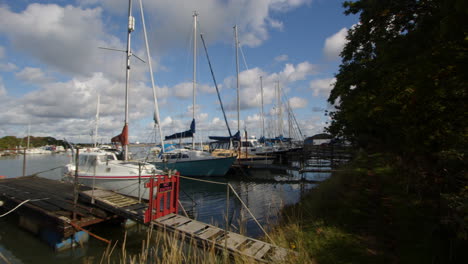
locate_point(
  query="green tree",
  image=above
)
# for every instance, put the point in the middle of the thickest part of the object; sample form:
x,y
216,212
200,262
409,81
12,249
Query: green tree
x,y
402,89
402,82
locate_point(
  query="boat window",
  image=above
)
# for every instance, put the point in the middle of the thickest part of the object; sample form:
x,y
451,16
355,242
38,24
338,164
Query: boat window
x,y
245,144
102,159
87,161
110,157
185,156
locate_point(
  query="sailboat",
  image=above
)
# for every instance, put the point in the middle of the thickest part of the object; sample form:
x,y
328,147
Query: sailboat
x,y
102,169
238,146
192,162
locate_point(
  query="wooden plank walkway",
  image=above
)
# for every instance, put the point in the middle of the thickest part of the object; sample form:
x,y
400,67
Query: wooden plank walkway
x,y
50,204
205,234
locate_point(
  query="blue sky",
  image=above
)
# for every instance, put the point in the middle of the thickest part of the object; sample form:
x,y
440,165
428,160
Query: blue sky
x,y
51,69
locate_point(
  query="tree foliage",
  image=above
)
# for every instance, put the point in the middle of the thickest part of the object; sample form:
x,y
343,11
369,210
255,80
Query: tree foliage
x,y
402,82
402,89
10,142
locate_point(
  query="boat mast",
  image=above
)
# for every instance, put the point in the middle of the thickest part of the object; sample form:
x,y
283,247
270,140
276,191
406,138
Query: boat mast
x,y
131,27
280,112
237,77
97,121
263,117
194,68
155,95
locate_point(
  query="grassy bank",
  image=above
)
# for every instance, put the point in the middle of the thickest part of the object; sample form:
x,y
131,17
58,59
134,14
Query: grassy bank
x,y
369,214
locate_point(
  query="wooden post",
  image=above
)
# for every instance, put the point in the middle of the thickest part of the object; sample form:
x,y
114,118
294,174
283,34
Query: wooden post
x,y
139,182
75,189
24,162
226,228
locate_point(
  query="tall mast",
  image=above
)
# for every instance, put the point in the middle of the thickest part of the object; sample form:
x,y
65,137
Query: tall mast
x,y
157,121
237,74
263,117
194,67
289,120
97,121
131,27
280,111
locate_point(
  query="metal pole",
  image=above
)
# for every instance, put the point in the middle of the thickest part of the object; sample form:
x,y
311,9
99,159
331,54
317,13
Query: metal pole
x,y
237,74
24,163
131,27
194,67
263,117
155,96
75,189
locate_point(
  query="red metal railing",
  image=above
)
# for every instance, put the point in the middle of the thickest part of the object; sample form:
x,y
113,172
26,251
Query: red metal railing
x,y
163,196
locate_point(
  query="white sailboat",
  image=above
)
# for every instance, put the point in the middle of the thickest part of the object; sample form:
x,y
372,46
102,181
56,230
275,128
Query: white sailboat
x,y
101,168
192,162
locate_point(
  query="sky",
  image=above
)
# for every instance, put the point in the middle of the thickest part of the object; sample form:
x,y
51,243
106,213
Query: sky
x,y
52,68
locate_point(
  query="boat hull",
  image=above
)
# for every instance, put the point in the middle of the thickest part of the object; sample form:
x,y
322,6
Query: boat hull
x,y
196,168
128,185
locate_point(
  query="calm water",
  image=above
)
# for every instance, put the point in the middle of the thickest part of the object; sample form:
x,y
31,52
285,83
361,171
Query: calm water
x,y
264,191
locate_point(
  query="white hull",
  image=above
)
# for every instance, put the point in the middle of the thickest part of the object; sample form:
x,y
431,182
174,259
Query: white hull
x,y
103,170
132,187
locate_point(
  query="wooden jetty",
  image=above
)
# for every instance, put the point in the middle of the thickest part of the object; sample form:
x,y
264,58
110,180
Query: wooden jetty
x,y
205,235
46,208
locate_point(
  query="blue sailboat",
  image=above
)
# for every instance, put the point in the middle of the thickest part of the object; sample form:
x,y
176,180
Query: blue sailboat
x,y
192,162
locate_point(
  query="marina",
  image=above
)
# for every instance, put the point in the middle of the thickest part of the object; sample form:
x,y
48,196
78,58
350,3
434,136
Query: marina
x,y
204,203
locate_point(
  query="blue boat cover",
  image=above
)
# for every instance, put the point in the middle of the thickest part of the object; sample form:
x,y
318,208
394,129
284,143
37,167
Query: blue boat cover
x,y
185,134
236,137
276,139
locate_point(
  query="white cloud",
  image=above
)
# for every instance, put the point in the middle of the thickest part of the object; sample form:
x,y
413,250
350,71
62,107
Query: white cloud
x,y
335,44
280,58
299,72
3,90
297,102
8,67
254,18
66,38
183,90
33,75
322,87
249,82
68,108
276,24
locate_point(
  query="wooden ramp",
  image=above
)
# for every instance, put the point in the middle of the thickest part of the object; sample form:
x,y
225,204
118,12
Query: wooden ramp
x,y
204,234
236,244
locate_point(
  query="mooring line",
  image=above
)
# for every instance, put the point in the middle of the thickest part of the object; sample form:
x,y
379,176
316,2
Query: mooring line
x,y
20,204
91,234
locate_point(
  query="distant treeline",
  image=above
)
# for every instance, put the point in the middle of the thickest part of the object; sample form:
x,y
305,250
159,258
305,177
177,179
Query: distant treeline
x,y
9,142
